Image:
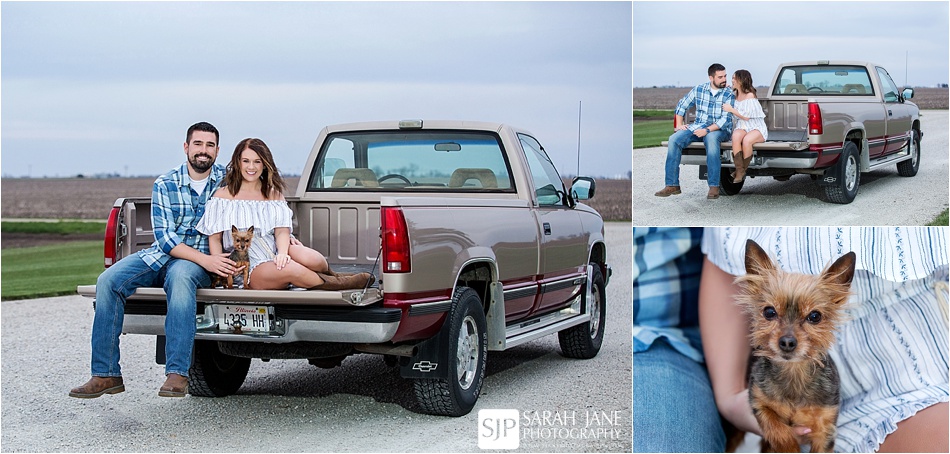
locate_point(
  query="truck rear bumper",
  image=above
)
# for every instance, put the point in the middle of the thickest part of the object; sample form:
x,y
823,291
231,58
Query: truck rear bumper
x,y
369,332
763,159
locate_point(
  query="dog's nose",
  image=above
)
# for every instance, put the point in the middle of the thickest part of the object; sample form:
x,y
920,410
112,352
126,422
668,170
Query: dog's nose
x,y
787,343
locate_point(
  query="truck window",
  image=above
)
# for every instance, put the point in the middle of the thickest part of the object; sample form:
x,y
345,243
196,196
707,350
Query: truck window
x,y
887,86
547,183
418,161
823,80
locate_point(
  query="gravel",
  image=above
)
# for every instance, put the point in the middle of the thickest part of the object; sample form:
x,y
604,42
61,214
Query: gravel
x,y
884,197
289,405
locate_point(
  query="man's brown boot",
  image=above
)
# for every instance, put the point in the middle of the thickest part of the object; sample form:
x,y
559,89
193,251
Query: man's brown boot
x,y
668,191
338,282
713,193
175,386
97,386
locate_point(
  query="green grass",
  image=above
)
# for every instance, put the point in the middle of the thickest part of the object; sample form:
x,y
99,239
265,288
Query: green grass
x,y
650,133
942,219
60,227
42,271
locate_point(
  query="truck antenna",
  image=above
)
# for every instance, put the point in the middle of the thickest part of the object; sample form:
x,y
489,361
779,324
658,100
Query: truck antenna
x,y
905,67
579,103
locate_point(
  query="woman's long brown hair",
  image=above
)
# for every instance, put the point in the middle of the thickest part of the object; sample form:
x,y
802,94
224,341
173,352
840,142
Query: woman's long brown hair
x,y
270,178
745,83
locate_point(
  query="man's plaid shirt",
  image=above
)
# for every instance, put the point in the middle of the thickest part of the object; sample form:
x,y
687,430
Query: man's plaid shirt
x,y
176,210
708,107
667,263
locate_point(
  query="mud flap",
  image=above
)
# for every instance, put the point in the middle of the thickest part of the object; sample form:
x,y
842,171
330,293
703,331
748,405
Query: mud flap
x,y
426,363
159,349
703,172
830,176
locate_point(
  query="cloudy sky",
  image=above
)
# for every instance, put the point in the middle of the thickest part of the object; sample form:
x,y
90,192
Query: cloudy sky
x,y
111,87
674,43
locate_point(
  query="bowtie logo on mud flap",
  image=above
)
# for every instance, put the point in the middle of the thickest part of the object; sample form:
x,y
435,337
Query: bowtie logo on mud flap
x,y
425,366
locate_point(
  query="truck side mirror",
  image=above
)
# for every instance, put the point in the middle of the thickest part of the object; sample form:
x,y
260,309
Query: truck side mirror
x,y
908,93
582,188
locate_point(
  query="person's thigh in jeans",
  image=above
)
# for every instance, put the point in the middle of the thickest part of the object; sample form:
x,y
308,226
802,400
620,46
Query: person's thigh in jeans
x,y
673,405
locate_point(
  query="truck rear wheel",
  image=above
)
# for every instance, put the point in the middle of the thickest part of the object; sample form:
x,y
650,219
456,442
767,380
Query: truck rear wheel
x,y
726,185
465,356
847,176
909,167
214,374
584,341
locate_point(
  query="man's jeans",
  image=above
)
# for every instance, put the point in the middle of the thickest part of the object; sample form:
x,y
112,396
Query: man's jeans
x,y
179,278
680,140
673,405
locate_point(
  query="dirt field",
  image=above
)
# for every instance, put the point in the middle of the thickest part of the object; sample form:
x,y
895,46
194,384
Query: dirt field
x,y
666,98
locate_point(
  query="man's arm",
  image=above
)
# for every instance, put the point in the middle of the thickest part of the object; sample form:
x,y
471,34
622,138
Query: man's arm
x,y
727,98
681,107
163,225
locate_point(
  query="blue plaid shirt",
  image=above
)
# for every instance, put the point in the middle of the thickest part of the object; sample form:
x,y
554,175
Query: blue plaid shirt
x,y
708,107
667,263
176,210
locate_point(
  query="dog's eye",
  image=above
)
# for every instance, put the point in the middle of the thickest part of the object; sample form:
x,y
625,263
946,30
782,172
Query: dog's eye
x,y
814,317
769,313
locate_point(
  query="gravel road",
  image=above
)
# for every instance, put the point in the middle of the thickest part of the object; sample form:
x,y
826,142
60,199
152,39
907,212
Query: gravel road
x,y
289,405
884,197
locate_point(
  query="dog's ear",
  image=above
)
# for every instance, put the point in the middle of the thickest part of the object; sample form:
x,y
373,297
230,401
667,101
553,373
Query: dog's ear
x,y
250,230
757,261
234,230
841,272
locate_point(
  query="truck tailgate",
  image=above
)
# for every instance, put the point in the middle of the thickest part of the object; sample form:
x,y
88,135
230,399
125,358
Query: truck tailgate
x,y
240,296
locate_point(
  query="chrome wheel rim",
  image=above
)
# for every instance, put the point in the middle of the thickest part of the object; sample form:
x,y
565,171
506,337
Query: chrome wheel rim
x,y
913,152
594,297
467,352
851,173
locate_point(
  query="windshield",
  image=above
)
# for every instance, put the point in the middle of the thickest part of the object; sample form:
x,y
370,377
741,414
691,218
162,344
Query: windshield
x,y
420,161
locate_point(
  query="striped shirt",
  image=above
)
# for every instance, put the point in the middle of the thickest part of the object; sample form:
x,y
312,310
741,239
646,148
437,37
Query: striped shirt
x,y
666,267
176,209
708,107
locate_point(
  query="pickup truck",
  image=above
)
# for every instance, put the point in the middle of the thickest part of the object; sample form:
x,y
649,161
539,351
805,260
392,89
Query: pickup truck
x,y
476,243
832,120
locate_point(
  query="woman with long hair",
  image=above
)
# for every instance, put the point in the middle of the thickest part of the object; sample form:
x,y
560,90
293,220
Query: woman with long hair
x,y
252,196
749,128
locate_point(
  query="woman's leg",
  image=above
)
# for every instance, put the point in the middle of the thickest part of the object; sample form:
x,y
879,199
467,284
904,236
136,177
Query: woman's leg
x,y
926,431
752,138
266,276
737,136
308,258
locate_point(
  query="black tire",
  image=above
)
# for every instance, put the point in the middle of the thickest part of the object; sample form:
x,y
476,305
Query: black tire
x,y
465,355
909,167
584,341
726,186
848,174
214,374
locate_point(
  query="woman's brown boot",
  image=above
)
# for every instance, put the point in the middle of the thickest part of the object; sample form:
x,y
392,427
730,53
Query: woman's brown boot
x,y
353,282
737,160
742,165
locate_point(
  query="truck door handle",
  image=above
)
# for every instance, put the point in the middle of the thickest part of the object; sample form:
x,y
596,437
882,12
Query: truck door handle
x,y
889,113
547,228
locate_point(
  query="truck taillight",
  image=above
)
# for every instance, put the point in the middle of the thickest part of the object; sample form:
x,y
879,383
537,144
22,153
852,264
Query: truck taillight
x,y
814,118
109,249
395,241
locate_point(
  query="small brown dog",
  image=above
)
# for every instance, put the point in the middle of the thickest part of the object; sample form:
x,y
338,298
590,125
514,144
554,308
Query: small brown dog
x,y
792,379
242,242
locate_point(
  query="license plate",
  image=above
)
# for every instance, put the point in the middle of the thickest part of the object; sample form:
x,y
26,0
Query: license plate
x,y
243,318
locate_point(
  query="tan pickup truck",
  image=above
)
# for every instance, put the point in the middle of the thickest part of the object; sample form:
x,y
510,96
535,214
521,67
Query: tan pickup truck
x,y
476,242
832,120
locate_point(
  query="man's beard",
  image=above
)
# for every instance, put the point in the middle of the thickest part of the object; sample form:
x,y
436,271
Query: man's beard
x,y
722,85
201,167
